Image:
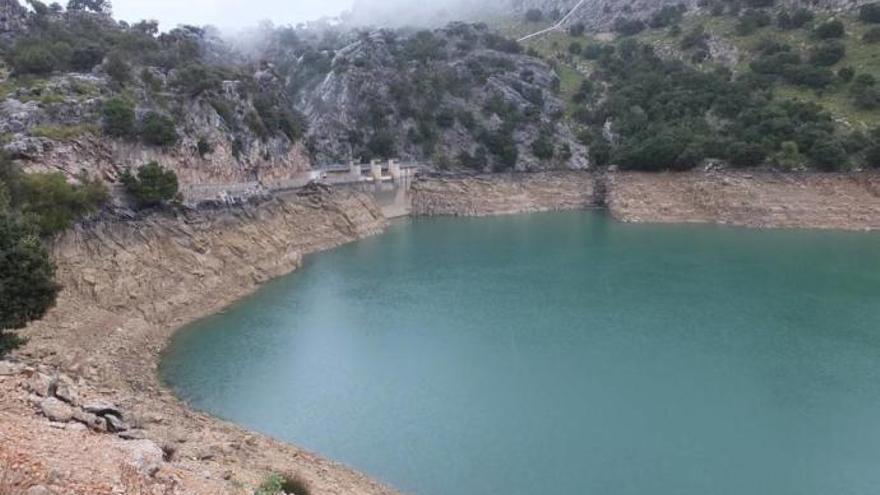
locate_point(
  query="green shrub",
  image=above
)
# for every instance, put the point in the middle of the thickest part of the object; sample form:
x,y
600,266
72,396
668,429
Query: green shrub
x,y
152,185
827,53
118,117
577,29
872,156
33,59
830,30
846,74
752,20
872,35
276,484
157,129
534,15
204,147
118,69
27,278
870,13
53,204
543,147
794,20
828,155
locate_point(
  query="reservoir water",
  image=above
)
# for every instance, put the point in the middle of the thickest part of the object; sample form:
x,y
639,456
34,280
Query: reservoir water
x,y
563,353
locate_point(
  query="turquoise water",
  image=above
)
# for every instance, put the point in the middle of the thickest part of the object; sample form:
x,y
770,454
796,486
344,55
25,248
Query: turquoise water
x,y
564,353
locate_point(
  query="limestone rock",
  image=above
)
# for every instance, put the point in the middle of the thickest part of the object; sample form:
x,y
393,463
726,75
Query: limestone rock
x,y
8,368
56,410
66,391
102,408
41,384
145,456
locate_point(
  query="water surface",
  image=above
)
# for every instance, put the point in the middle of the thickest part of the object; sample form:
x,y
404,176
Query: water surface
x,y
564,353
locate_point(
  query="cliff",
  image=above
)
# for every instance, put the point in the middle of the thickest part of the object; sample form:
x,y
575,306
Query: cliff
x,y
128,284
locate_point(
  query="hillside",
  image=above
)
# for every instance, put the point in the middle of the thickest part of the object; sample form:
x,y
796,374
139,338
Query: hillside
x,y
757,84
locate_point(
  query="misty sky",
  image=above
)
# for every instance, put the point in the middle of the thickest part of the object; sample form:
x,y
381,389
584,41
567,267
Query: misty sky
x,y
226,13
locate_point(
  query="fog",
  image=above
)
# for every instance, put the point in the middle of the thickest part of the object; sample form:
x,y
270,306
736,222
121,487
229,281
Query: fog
x,y
227,14
237,14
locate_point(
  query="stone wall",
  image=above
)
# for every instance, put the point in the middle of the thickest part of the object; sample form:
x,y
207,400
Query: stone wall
x,y
502,194
752,199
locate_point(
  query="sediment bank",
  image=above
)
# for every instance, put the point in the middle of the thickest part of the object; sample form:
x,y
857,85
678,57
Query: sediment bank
x,y
752,199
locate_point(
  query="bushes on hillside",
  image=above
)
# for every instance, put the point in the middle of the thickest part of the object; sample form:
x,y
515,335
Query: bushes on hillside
x,y
52,203
827,54
27,277
628,27
872,35
795,19
870,13
830,30
534,15
118,117
152,185
157,129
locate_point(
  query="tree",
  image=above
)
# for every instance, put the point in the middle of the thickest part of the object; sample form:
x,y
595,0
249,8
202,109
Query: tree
x,y
828,155
99,6
118,117
872,156
118,69
153,185
872,35
830,30
27,276
577,29
158,130
534,15
870,13
828,53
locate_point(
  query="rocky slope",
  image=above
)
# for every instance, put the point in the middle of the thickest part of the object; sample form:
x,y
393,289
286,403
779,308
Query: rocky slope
x,y
128,285
80,91
456,96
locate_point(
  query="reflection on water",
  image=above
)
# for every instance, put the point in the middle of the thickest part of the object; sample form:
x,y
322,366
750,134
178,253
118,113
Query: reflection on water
x,y
392,197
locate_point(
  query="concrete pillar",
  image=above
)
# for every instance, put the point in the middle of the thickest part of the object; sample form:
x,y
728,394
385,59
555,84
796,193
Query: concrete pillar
x,y
376,171
394,170
355,170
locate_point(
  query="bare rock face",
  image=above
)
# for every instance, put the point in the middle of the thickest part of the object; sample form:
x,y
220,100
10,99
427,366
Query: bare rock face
x,y
435,96
145,456
56,410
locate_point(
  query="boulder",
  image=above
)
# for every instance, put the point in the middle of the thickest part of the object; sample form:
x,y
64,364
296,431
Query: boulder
x,y
102,408
8,368
56,410
66,391
114,423
145,456
42,384
92,421
39,490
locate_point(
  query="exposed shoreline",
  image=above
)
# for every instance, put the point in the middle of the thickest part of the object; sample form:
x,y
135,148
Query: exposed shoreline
x,y
130,285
